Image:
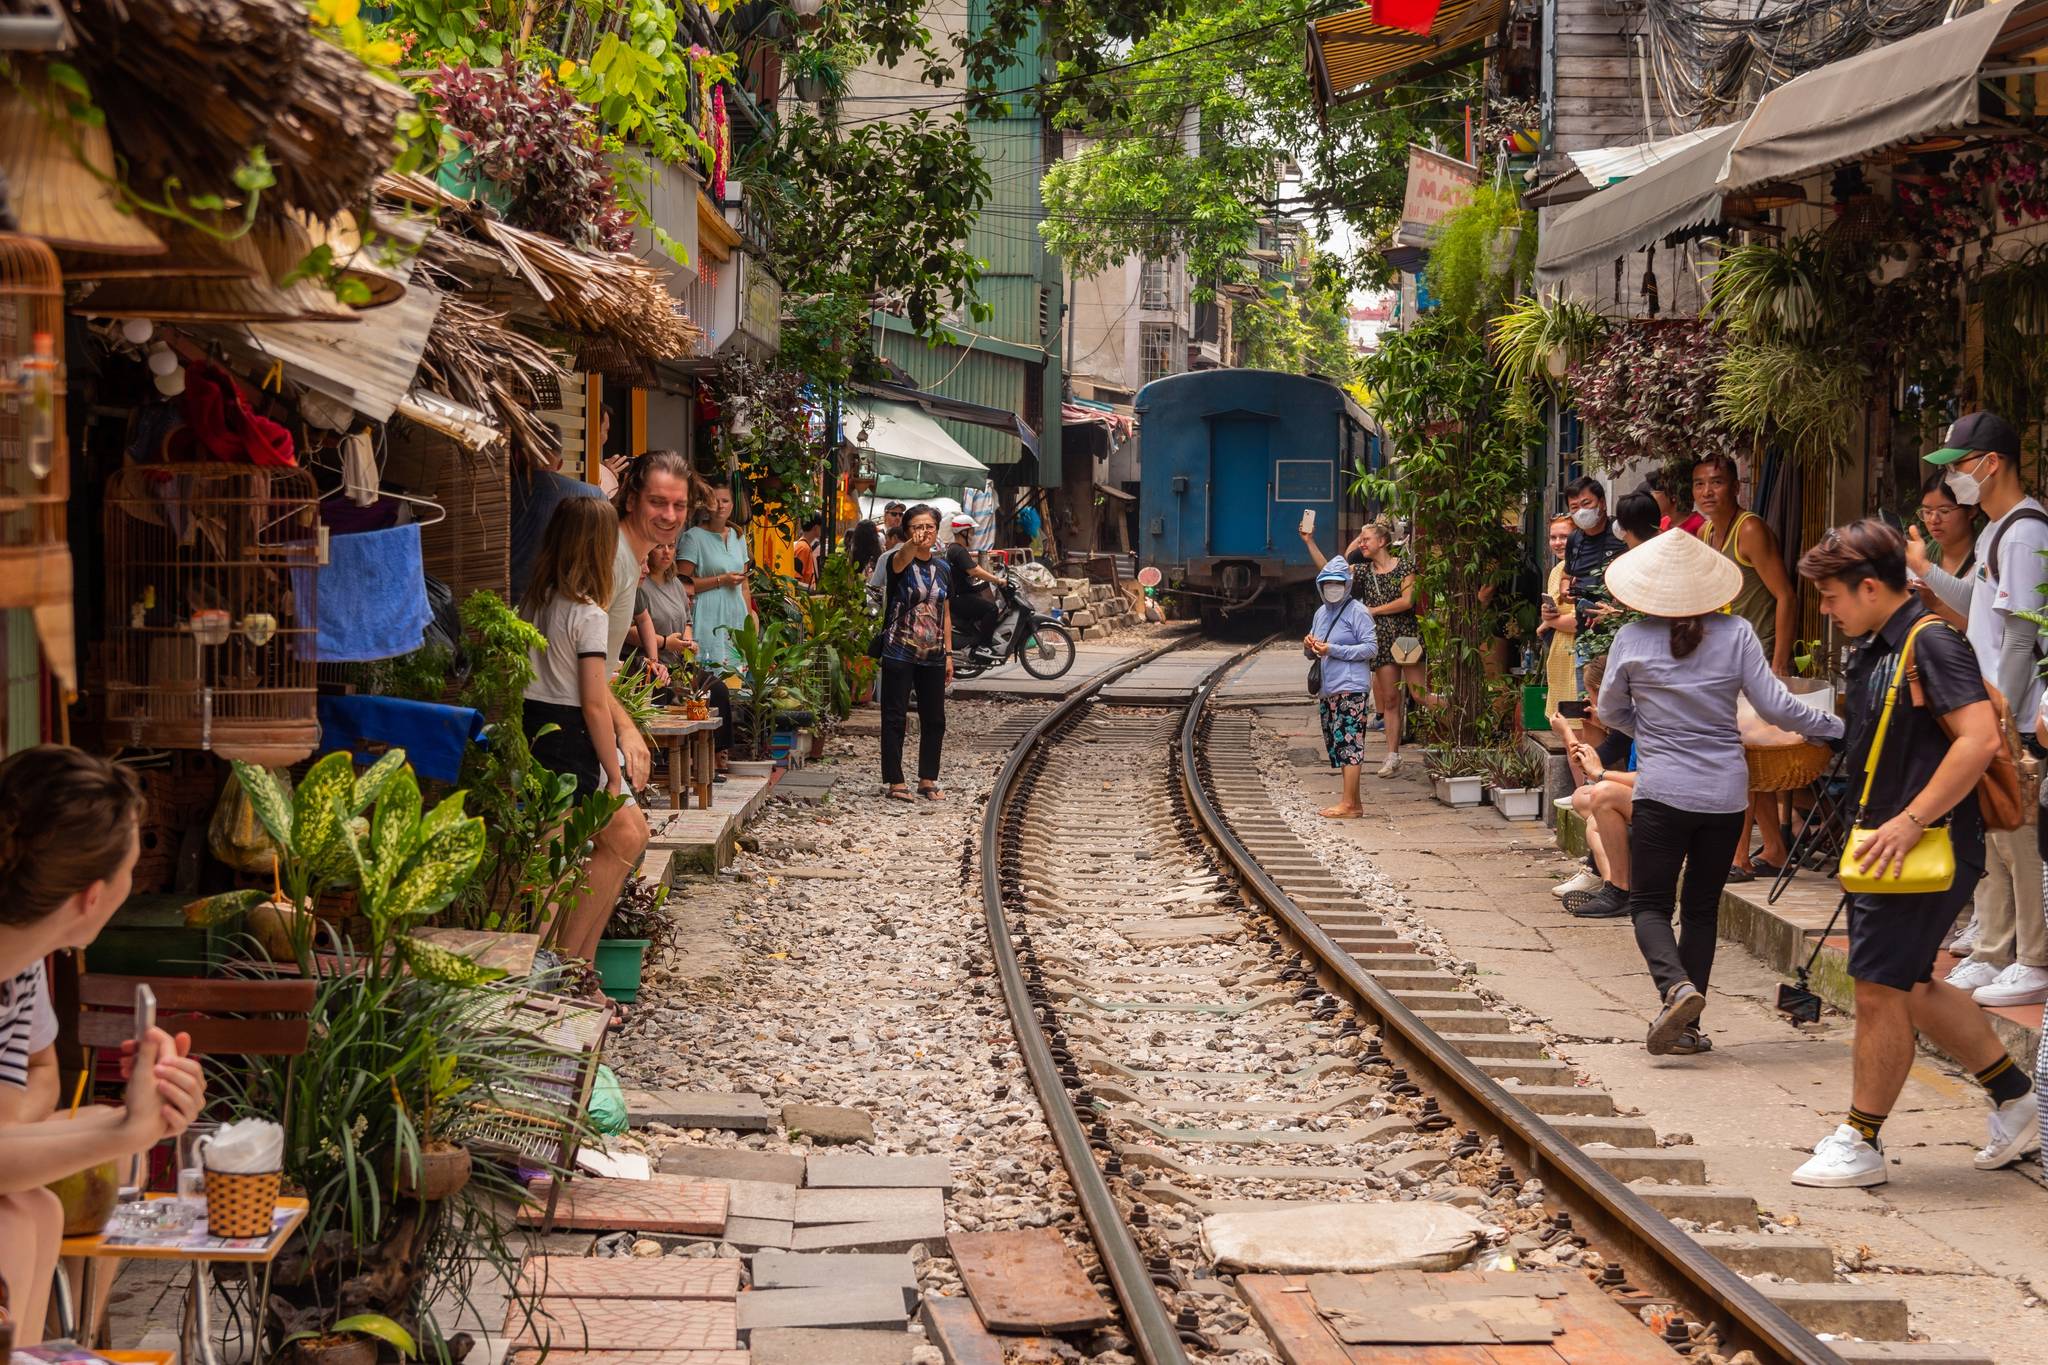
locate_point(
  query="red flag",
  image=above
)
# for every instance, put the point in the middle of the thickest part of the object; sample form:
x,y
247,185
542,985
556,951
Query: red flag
x,y
1416,16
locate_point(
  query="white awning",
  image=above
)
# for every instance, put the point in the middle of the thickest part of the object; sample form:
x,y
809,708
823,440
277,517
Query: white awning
x,y
908,447
1603,166
1680,191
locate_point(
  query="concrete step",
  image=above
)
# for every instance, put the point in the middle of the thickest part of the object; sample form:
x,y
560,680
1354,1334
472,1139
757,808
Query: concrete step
x,y
1701,1203
1806,1259
1615,1132
1495,1044
1854,1310
1910,1353
1563,1099
1402,982
1528,1070
1651,1163
1440,1000
1465,1021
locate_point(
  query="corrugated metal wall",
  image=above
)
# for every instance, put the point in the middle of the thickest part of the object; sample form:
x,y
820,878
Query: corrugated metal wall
x,y
24,682
976,377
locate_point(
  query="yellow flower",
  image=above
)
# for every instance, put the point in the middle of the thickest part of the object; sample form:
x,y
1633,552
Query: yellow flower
x,y
385,53
565,70
335,13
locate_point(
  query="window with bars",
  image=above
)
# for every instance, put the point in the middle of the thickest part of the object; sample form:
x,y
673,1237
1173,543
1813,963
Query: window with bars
x,y
1156,350
1155,285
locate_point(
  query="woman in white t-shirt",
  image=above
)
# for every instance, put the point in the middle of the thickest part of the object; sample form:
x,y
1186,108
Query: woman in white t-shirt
x,y
567,601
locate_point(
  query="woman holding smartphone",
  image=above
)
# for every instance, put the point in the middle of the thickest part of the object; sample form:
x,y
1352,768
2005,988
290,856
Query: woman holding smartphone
x,y
68,844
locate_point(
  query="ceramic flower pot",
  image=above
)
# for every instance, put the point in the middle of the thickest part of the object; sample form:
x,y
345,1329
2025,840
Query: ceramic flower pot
x,y
1459,791
1518,803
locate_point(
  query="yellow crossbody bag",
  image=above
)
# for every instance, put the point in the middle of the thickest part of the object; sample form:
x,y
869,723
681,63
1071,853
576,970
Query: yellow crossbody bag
x,y
1931,863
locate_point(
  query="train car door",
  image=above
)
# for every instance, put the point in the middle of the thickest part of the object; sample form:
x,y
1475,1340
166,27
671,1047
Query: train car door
x,y
1240,499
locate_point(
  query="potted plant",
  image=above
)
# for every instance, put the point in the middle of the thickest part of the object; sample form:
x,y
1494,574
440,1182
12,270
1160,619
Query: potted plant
x,y
1457,774
766,654
438,1168
1517,784
351,1341
635,923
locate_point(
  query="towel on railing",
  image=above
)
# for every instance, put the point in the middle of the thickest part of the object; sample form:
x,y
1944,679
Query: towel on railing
x,y
372,596
434,737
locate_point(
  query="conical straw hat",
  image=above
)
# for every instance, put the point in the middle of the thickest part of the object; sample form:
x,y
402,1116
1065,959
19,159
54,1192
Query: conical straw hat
x,y
357,260
51,161
283,243
1674,574
247,295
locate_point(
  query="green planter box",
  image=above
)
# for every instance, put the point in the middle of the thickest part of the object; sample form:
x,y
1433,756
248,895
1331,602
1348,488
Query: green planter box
x,y
1535,703
618,967
148,936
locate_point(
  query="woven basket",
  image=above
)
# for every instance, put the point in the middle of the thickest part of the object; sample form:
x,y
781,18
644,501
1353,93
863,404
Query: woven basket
x,y
241,1205
1786,767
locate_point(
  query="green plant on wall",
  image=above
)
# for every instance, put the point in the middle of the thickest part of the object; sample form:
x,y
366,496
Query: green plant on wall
x,y
1794,314
1539,341
1483,255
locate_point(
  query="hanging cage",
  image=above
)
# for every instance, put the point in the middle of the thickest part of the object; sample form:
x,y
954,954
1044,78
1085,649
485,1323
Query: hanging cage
x,y
35,482
210,609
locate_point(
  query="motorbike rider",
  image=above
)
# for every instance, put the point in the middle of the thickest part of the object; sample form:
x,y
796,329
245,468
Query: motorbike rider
x,y
974,608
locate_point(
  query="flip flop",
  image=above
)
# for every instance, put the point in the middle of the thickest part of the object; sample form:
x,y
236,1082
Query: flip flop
x,y
1767,871
932,793
897,794
1741,874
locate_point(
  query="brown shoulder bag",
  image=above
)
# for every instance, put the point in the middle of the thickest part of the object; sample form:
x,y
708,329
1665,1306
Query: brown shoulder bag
x,y
2009,792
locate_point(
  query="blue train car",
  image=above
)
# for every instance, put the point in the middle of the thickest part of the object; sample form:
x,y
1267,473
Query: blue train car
x,y
1231,459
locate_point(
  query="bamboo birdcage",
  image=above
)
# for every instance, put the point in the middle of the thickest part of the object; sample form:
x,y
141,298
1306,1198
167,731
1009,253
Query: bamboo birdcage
x,y
210,609
35,468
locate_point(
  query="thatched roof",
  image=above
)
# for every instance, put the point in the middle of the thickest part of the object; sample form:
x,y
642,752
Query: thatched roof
x,y
191,86
620,299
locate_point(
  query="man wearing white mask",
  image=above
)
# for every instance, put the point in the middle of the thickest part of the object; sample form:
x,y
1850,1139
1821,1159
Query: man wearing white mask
x,y
1590,548
1982,460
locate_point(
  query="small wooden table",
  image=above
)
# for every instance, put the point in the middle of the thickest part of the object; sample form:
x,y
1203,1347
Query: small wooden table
x,y
692,756
196,1328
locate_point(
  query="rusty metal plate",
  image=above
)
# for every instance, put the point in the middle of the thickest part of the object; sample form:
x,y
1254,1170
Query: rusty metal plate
x,y
1027,1281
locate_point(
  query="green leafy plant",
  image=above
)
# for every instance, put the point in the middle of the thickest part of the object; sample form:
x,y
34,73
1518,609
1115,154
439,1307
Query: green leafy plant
x,y
1463,474
375,1325
1793,370
769,656
1513,768
635,690
1809,657
1483,256
1538,341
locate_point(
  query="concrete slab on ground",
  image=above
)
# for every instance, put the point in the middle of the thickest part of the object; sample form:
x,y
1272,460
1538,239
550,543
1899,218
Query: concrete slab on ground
x,y
736,1111
1092,658
855,1169
727,1163
829,1346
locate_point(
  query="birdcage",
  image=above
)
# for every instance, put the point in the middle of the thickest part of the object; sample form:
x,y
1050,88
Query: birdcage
x,y
210,609
35,563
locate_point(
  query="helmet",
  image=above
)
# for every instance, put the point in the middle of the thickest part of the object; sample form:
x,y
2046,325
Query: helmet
x,y
963,522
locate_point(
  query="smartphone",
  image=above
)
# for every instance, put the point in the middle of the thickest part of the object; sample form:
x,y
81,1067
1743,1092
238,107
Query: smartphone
x,y
1550,602
145,1012
1572,710
1308,522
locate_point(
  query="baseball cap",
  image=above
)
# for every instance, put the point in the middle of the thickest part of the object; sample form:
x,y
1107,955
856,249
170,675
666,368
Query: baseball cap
x,y
1978,431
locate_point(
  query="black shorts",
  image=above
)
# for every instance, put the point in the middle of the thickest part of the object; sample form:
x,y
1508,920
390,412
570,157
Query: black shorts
x,y
1893,940
565,749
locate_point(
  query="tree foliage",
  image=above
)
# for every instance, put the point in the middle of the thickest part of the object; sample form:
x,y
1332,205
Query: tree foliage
x,y
1184,146
1300,328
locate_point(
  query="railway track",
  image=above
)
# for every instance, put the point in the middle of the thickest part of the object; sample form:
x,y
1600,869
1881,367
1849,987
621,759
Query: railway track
x,y
1214,1025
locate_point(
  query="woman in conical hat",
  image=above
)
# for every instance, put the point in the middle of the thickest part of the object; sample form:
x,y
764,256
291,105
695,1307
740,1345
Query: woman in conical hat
x,y
1672,681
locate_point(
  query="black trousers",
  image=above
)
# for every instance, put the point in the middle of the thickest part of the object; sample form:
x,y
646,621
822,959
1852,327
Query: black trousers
x,y
973,615
1662,840
928,681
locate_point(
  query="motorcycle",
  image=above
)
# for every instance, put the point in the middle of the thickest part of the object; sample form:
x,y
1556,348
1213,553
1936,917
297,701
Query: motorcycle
x,y
1041,644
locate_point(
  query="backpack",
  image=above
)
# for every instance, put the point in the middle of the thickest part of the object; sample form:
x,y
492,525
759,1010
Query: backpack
x,y
1998,537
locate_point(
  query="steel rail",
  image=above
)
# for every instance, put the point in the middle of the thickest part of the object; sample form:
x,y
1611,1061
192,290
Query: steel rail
x,y
1602,1207
1151,1327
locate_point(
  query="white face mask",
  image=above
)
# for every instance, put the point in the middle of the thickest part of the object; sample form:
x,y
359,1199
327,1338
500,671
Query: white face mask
x,y
1967,488
1333,593
1587,519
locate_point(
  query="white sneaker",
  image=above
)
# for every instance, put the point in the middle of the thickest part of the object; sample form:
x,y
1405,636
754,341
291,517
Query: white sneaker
x,y
1585,879
2016,985
1391,766
2012,1131
1965,941
1842,1160
1969,974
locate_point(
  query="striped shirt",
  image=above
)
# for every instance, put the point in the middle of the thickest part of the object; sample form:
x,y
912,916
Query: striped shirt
x,y
27,1024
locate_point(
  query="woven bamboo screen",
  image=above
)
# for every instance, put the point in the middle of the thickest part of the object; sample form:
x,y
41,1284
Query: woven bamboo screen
x,y
210,609
471,549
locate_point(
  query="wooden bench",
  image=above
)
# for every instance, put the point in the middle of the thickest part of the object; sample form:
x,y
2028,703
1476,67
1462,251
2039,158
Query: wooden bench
x,y
692,756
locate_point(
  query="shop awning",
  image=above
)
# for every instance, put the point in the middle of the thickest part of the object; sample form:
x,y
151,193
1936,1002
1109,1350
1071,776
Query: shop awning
x,y
909,449
1349,56
1901,92
1680,191
957,410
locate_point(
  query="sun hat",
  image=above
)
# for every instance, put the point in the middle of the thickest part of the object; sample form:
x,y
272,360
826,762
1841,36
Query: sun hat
x,y
1674,574
241,291
61,174
1982,430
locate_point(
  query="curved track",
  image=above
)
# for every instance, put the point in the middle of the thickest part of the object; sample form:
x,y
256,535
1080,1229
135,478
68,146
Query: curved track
x,y
1160,785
